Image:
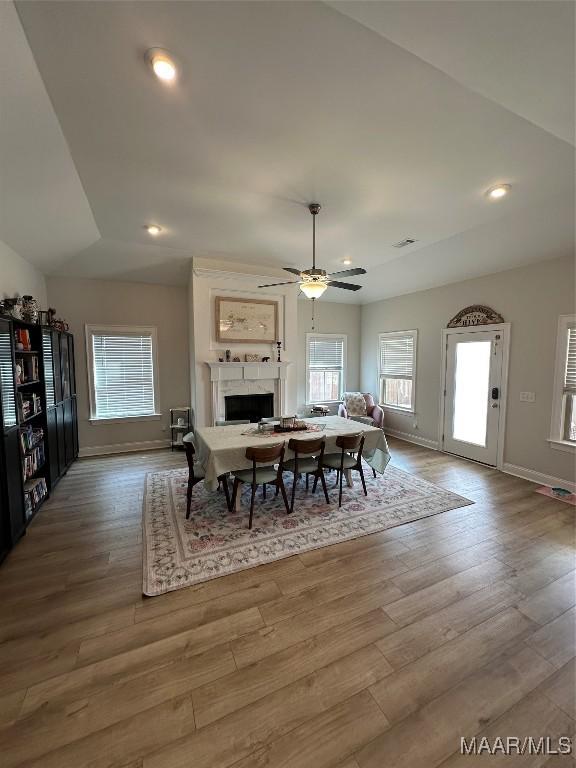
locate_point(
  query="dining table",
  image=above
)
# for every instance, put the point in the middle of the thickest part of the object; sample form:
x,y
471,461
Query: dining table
x,y
221,450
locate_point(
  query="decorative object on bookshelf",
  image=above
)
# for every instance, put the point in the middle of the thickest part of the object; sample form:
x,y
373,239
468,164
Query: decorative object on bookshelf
x,y
14,307
265,359
250,357
29,309
228,355
236,359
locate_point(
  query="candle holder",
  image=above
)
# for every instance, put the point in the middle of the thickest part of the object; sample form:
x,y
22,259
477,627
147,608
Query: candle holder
x,y
279,345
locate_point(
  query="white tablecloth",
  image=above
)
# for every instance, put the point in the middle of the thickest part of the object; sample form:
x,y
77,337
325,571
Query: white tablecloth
x,y
222,449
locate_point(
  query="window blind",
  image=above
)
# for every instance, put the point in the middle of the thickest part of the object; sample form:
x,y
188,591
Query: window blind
x,y
397,356
123,375
570,375
48,369
326,354
7,377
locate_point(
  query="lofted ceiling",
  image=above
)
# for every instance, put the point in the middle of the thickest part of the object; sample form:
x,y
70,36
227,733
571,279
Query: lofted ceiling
x,y
397,118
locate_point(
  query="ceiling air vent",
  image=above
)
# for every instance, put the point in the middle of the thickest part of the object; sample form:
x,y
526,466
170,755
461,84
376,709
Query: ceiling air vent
x,y
404,243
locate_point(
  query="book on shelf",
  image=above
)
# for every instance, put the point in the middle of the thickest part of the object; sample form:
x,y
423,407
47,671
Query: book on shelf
x,y
29,404
33,461
26,369
22,339
30,437
34,492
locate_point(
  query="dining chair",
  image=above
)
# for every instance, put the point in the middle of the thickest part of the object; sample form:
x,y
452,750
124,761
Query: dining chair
x,y
269,474
308,458
196,473
344,461
229,422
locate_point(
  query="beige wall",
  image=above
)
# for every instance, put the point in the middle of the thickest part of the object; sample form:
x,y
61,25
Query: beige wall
x,y
330,317
19,278
106,302
531,299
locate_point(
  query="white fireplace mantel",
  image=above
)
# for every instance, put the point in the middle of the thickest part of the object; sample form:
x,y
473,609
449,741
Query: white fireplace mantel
x,y
230,371
250,378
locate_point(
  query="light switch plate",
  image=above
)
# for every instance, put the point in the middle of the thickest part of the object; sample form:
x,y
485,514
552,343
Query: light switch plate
x,y
527,397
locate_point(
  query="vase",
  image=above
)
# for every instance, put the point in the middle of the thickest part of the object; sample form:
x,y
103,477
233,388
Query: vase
x,y
14,308
29,309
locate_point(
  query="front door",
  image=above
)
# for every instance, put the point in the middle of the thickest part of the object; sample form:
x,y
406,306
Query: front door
x,y
472,393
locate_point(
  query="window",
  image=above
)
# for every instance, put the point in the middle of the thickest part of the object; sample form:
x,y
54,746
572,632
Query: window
x,y
398,369
563,433
325,356
122,372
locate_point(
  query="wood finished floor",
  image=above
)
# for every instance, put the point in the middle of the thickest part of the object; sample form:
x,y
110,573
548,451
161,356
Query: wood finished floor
x,y
378,652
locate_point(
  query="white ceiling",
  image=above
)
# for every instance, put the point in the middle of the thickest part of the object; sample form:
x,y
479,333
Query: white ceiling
x,y
279,104
518,53
44,213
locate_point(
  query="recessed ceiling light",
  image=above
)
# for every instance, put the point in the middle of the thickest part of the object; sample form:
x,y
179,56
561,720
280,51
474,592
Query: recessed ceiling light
x,y
153,229
501,190
162,64
347,261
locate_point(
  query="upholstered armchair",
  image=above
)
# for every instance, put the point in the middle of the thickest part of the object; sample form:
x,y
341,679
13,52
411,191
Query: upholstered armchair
x,y
351,408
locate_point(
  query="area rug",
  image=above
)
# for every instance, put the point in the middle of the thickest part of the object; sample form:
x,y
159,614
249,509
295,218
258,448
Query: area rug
x,y
214,542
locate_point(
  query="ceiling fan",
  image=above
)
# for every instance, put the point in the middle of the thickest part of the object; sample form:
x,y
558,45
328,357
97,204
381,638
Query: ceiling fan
x,y
313,282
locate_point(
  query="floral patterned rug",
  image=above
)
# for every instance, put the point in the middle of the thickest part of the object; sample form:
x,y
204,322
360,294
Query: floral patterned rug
x,y
214,542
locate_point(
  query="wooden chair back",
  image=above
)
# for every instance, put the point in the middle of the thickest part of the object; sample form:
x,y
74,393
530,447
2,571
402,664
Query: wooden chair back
x,y
266,454
306,447
190,449
351,443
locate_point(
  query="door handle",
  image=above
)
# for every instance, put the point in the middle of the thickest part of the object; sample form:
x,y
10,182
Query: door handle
x,y
495,393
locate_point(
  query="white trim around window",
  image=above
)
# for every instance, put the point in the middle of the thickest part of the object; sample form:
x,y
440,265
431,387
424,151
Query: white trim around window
x,y
397,353
146,379
336,344
564,389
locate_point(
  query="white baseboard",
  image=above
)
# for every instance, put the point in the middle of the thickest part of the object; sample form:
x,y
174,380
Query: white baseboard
x,y
538,477
103,450
408,437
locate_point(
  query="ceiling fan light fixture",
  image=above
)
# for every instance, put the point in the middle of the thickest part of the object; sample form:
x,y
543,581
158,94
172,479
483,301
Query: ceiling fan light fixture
x,y
313,289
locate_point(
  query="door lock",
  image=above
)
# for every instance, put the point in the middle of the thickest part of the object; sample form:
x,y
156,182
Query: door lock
x,y
495,393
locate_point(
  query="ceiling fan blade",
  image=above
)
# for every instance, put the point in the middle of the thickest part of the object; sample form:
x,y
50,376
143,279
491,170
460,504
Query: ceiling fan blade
x,y
346,286
294,271
348,272
271,285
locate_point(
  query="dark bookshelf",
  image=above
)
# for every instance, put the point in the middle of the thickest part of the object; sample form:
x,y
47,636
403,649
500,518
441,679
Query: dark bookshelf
x,y
38,420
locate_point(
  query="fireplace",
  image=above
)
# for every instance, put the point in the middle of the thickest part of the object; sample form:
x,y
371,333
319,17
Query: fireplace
x,y
253,407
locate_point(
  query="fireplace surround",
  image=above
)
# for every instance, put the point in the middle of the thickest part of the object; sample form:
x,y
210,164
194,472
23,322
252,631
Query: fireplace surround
x,y
229,379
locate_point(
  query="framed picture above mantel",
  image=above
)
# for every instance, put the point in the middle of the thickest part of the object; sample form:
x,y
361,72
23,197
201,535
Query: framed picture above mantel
x,y
246,321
